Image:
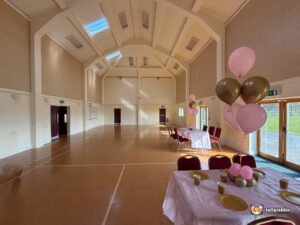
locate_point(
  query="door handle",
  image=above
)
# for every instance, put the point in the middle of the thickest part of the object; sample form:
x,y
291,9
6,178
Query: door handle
x,y
284,131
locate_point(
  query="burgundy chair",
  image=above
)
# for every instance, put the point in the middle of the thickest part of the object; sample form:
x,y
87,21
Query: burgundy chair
x,y
219,162
272,220
204,128
216,138
188,162
211,130
247,160
181,139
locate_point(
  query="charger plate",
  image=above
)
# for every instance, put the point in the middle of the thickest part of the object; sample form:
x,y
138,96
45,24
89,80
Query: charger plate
x,y
233,202
203,176
291,197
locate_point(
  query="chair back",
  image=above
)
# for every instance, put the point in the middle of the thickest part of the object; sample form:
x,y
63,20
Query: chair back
x,y
188,162
247,160
175,131
204,128
272,220
169,130
219,162
211,130
218,133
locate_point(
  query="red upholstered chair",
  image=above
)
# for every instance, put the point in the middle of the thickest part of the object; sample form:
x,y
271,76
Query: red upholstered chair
x,y
272,220
247,160
204,128
216,138
219,162
181,139
211,131
188,162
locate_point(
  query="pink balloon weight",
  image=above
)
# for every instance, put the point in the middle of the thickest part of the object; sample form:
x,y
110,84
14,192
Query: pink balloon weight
x,y
195,111
189,110
246,172
229,115
241,61
192,97
234,169
251,117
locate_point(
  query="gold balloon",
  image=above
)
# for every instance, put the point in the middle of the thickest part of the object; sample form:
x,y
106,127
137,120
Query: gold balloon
x,y
254,89
228,90
192,104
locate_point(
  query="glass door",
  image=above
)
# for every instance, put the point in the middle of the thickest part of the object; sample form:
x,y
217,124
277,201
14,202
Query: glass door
x,y
203,116
292,156
279,138
269,134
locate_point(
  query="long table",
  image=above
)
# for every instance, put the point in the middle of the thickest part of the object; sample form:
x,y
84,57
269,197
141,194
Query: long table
x,y
199,139
189,204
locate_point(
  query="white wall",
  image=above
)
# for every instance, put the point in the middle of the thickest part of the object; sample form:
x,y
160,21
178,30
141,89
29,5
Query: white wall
x,y
92,123
175,118
128,114
149,113
15,129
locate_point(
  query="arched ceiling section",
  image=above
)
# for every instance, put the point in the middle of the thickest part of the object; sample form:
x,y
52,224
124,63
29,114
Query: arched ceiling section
x,y
150,35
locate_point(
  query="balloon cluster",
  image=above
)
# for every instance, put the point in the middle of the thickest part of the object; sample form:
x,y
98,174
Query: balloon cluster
x,y
192,105
249,117
242,176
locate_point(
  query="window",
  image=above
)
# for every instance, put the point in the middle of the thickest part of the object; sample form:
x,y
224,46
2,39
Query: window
x,y
181,112
112,55
97,26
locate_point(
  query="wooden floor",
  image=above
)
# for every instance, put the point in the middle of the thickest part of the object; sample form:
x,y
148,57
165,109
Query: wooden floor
x,y
111,175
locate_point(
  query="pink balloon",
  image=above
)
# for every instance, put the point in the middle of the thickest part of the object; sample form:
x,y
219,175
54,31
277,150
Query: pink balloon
x,y
192,97
192,126
189,110
229,115
241,61
251,117
195,111
246,172
234,169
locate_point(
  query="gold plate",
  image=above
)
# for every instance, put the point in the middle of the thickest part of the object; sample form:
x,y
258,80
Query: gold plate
x,y
291,197
203,176
233,202
226,170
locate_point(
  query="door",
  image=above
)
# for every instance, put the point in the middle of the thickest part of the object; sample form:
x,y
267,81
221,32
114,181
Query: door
x,y
54,122
279,138
117,116
203,116
63,120
162,115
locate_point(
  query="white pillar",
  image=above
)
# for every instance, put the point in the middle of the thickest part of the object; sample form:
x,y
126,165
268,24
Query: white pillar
x,y
84,99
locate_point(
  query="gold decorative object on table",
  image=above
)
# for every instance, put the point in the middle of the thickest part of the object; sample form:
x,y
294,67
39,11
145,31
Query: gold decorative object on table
x,y
223,177
202,175
284,183
233,202
291,197
221,187
197,179
259,171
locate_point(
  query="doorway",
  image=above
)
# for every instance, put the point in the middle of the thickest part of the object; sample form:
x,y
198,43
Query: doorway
x,y
162,116
60,121
117,116
279,138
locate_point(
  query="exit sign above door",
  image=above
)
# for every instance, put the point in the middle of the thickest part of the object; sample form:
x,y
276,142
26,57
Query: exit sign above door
x,y
274,91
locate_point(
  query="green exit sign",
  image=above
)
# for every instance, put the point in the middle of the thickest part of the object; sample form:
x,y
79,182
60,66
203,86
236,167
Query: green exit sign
x,y
274,91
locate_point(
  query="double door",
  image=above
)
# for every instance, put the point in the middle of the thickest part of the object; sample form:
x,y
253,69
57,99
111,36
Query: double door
x,y
279,138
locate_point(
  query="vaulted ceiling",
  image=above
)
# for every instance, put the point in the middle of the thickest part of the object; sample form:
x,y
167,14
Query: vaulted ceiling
x,y
152,37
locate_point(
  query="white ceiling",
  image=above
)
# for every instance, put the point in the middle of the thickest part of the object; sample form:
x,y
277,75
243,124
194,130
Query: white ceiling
x,y
163,43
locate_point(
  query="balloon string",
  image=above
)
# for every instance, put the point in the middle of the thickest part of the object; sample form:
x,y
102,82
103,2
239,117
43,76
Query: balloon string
x,y
241,146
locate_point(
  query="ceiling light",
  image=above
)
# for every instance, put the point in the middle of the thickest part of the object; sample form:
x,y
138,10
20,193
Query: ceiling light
x,y
145,19
74,41
112,55
97,26
192,43
99,66
123,19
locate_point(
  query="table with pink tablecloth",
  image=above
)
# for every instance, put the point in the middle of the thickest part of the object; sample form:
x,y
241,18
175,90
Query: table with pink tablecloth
x,y
189,204
199,139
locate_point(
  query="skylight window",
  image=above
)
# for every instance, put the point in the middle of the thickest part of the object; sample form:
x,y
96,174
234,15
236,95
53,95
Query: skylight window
x,y
112,55
97,26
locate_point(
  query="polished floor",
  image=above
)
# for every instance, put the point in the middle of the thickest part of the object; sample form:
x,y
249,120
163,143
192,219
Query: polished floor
x,y
111,175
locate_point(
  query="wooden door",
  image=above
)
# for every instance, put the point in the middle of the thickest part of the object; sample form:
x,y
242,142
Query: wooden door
x,y
117,113
162,115
54,122
63,120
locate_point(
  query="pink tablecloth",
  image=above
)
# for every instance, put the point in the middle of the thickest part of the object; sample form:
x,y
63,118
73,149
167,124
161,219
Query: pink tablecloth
x,y
199,139
188,204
